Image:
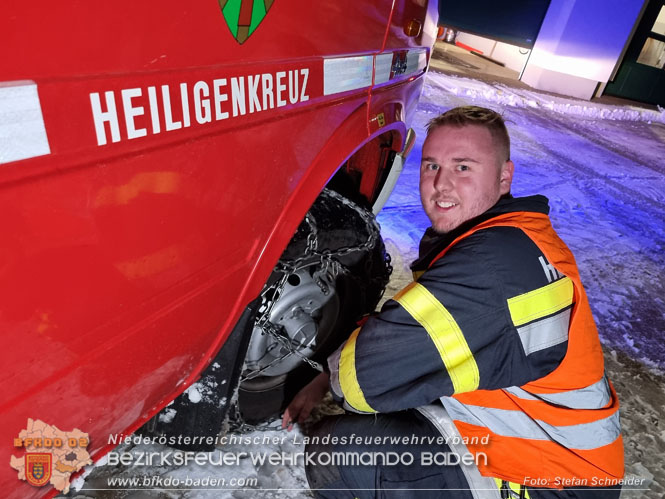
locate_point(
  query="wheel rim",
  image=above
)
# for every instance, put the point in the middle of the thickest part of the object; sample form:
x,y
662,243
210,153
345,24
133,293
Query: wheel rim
x,y
307,310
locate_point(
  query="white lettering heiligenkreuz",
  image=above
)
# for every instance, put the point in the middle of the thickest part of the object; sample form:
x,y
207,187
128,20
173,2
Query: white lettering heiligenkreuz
x,y
201,102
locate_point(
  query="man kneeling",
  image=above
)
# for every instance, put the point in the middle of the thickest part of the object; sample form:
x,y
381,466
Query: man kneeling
x,y
486,372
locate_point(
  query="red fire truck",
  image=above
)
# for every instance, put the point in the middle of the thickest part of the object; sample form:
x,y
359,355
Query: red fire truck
x,y
156,160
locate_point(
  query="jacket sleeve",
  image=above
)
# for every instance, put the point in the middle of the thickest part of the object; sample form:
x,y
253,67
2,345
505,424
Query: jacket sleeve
x,y
450,332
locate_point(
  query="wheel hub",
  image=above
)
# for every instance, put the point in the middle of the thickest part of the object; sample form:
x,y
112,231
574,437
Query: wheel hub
x,y
306,310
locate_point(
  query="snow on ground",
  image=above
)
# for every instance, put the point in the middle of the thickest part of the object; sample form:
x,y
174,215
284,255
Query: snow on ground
x,y
603,169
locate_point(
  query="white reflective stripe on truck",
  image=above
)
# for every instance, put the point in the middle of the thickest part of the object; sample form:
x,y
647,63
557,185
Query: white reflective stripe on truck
x,y
341,74
384,64
22,131
347,73
416,60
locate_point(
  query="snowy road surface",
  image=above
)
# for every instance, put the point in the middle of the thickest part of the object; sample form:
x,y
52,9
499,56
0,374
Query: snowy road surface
x,y
603,169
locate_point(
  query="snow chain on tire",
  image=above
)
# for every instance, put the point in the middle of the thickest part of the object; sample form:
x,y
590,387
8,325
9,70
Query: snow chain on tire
x,y
329,261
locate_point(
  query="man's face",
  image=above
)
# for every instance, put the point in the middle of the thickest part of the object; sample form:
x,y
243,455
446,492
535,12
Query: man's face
x,y
461,175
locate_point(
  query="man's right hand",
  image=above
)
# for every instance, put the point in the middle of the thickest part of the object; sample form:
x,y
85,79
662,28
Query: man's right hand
x,y
307,398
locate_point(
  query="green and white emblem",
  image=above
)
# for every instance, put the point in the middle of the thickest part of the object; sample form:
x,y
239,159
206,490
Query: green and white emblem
x,y
244,16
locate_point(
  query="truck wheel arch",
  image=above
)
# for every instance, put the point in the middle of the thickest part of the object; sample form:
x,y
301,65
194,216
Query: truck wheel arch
x,y
337,153
332,158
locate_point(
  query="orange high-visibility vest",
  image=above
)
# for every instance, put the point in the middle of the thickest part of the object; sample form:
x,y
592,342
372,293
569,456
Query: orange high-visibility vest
x,y
562,429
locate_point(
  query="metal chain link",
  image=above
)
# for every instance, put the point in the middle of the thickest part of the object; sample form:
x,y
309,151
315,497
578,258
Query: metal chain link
x,y
276,332
328,263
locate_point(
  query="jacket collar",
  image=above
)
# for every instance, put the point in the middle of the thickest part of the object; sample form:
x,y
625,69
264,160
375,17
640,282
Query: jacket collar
x,y
433,243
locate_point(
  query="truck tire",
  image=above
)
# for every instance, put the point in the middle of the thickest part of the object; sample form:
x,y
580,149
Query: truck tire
x,y
317,309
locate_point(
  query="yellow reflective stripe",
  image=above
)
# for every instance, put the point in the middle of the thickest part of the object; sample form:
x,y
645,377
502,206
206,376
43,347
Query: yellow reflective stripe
x,y
417,274
348,381
515,487
445,333
541,302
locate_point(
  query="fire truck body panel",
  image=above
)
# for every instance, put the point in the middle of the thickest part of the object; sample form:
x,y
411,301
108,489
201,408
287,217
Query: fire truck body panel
x,y
154,172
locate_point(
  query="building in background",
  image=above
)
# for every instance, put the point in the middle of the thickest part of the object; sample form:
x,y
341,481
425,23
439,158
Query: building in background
x,y
580,48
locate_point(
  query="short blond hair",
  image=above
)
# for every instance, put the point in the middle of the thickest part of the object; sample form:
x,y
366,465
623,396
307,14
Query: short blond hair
x,y
480,116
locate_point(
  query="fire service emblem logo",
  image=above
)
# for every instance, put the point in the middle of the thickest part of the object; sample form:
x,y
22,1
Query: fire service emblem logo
x,y
244,16
38,468
51,455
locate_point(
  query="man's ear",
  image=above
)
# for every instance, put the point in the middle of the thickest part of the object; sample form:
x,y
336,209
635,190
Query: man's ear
x,y
506,177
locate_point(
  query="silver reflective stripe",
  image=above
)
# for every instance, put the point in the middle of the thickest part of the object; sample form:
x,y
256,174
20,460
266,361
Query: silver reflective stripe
x,y
341,74
595,396
333,365
383,66
545,333
416,60
481,487
508,423
347,73
22,130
